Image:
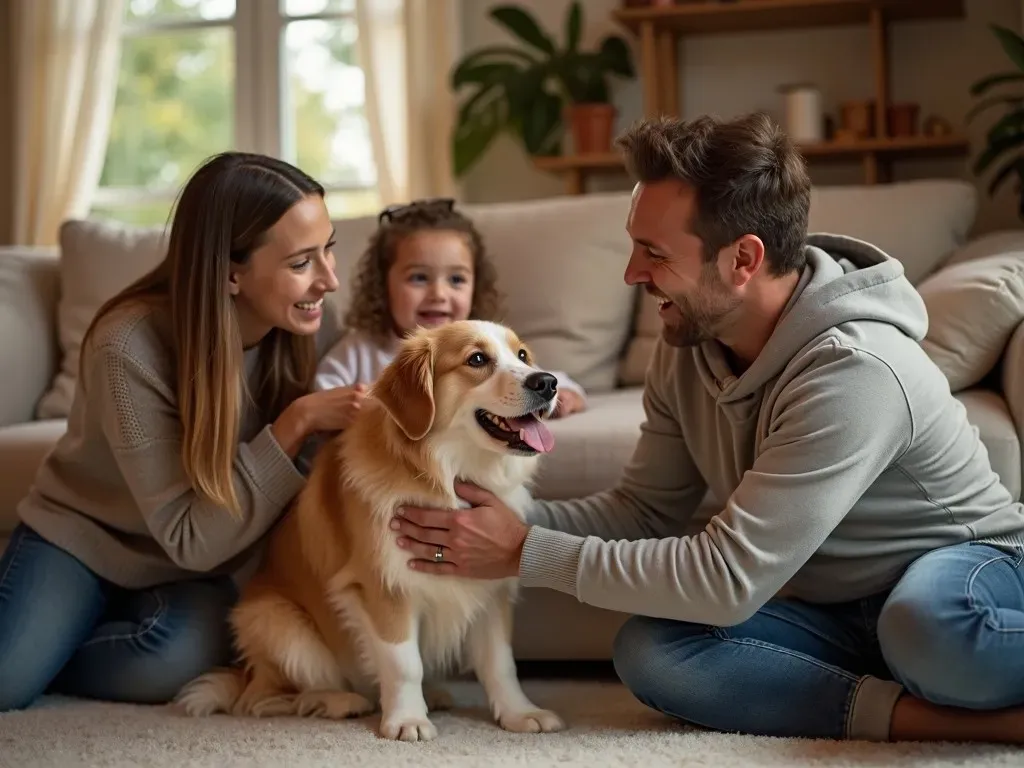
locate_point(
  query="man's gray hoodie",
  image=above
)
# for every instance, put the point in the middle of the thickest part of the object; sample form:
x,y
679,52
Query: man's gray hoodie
x,y
840,454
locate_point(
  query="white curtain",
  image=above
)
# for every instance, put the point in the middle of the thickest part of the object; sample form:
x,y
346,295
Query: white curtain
x,y
407,49
65,64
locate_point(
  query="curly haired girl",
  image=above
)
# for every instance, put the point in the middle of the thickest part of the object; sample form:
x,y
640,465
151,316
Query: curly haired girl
x,y
426,265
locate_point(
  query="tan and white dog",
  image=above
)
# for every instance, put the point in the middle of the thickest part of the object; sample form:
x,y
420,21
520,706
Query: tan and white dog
x,y
335,623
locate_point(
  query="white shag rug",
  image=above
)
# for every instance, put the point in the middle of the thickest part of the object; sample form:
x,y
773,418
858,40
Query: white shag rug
x,y
606,727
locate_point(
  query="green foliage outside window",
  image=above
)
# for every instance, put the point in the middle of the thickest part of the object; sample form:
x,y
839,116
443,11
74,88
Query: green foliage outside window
x,y
175,106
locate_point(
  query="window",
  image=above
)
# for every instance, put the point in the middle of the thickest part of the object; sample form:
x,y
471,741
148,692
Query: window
x,y
201,76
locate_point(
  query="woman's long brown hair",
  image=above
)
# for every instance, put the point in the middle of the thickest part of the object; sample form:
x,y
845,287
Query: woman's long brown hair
x,y
221,216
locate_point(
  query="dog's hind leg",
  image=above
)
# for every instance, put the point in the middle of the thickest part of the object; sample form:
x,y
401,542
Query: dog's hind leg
x,y
268,694
301,675
216,691
332,705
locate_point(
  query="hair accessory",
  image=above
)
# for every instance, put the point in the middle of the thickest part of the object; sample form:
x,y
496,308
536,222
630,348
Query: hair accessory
x,y
393,212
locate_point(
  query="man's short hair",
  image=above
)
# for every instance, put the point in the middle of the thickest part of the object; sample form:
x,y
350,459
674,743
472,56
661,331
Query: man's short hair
x,y
748,177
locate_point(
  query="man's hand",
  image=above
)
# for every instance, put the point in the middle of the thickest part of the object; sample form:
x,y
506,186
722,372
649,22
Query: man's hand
x,y
482,542
568,402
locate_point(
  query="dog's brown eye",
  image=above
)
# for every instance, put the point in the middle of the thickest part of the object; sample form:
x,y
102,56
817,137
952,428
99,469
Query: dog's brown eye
x,y
523,356
477,359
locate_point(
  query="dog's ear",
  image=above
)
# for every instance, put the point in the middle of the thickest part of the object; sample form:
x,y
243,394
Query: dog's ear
x,y
406,388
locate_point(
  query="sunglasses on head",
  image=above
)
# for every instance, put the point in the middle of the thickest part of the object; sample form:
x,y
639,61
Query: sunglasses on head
x,y
394,212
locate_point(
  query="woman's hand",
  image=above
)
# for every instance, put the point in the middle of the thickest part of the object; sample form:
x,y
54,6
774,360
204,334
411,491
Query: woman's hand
x,y
569,401
483,542
329,410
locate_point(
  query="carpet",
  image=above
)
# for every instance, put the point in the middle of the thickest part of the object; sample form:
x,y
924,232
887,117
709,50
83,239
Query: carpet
x,y
607,727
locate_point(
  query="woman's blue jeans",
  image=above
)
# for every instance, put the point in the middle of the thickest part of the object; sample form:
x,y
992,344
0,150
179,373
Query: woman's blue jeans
x,y
950,632
65,630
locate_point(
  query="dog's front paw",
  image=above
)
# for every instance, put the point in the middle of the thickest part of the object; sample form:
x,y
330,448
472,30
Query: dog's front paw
x,y
531,721
401,728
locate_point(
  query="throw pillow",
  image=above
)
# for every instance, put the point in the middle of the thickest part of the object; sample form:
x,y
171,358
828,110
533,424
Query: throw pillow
x,y
973,309
560,263
97,259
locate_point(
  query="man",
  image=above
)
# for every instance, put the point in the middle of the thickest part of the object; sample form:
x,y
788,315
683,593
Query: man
x,y
789,381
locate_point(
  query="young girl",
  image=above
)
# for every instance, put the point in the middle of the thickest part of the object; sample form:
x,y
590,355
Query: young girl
x,y
193,402
425,266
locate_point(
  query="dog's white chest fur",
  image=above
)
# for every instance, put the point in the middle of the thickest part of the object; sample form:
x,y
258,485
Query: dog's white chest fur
x,y
447,605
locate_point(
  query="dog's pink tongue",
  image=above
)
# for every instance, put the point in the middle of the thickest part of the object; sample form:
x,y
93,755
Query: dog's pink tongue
x,y
534,433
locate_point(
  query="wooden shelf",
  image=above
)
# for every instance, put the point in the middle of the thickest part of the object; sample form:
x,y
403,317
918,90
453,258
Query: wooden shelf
x,y
900,146
561,163
575,168
705,17
910,146
661,31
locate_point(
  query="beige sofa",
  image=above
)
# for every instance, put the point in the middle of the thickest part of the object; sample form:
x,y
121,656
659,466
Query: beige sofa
x,y
560,262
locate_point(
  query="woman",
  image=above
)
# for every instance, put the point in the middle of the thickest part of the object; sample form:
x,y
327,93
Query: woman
x,y
192,405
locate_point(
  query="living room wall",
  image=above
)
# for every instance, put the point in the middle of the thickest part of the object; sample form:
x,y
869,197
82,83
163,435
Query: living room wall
x,y
933,63
6,125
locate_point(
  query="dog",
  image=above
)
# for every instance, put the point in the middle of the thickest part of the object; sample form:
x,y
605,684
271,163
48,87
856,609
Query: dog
x,y
334,623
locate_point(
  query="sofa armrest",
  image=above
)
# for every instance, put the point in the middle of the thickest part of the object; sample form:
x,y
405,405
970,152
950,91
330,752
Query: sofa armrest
x,y
29,349
1012,378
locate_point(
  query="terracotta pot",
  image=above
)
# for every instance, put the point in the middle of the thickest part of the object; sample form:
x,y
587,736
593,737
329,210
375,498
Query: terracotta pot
x,y
858,117
903,119
591,126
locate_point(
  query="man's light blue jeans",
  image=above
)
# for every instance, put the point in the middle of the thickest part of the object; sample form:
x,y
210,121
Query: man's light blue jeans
x,y
65,630
951,632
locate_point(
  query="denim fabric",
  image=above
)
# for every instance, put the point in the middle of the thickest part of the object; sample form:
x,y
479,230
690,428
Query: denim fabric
x,y
951,631
65,630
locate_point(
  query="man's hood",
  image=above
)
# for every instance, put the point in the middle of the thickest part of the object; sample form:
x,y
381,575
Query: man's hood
x,y
845,280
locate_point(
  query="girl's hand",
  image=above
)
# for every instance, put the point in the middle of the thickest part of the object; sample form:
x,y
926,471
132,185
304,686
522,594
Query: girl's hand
x,y
569,401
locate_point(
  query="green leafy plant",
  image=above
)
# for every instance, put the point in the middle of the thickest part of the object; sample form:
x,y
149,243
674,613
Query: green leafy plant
x,y
1006,136
523,91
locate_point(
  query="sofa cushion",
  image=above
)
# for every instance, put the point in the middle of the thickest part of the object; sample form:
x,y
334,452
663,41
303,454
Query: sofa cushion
x,y
559,263
98,259
988,412
973,308
988,244
22,449
646,329
29,356
921,223
591,447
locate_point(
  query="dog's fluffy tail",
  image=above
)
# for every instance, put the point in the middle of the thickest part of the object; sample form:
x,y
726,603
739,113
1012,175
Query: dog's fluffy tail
x,y
216,691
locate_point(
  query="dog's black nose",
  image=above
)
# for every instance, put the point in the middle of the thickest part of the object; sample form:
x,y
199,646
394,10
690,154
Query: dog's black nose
x,y
544,384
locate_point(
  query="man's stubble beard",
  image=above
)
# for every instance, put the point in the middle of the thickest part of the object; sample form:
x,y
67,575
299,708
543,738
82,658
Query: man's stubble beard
x,y
701,316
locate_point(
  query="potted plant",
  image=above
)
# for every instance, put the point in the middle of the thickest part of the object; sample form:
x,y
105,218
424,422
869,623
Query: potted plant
x,y
1006,136
531,91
